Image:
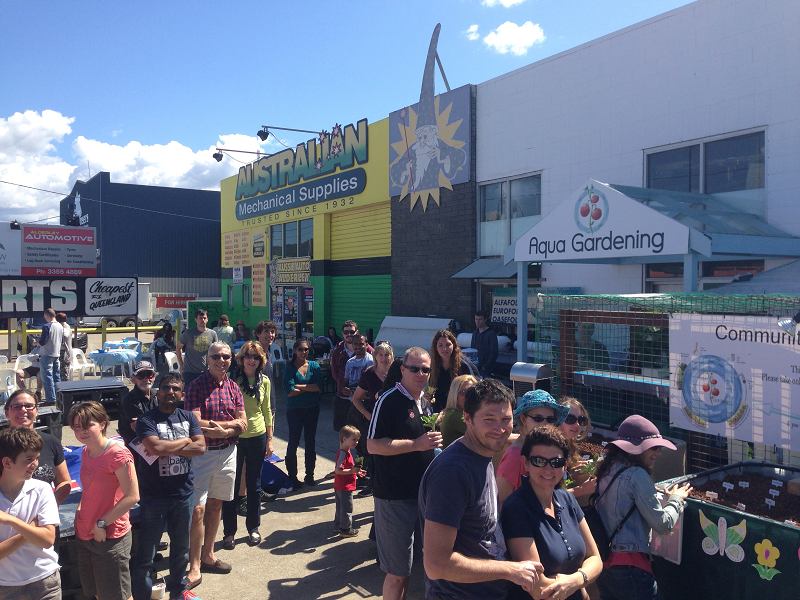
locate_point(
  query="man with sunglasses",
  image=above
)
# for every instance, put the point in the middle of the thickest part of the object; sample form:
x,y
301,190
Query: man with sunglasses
x,y
339,357
218,404
138,401
165,486
463,549
403,450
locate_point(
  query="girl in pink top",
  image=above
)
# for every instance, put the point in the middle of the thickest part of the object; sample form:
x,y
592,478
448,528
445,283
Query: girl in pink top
x,y
110,489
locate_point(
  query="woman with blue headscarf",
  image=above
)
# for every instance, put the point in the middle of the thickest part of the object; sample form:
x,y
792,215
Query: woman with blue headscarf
x,y
536,408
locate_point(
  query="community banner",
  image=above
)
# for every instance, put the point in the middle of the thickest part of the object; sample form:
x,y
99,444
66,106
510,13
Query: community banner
x,y
737,377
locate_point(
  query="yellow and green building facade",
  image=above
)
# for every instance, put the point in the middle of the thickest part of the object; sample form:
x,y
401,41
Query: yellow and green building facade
x,y
306,235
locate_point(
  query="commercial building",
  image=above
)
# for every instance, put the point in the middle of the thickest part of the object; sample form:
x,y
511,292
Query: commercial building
x,y
169,237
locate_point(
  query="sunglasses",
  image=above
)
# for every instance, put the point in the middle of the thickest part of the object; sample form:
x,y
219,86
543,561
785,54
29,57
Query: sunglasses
x,y
145,375
540,418
572,419
253,356
416,369
220,356
541,462
171,388
348,331
382,343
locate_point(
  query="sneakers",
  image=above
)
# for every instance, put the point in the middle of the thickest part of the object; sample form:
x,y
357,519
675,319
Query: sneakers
x,y
348,533
241,509
265,497
310,480
365,493
296,483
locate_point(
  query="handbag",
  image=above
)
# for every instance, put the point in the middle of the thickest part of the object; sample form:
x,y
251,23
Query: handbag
x,y
595,522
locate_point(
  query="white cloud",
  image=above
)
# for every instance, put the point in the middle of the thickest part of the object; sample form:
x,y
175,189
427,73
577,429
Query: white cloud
x,y
517,39
472,33
506,3
27,156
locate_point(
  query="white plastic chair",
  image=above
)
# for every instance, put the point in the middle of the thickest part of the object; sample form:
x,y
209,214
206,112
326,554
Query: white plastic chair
x,y
23,362
81,364
277,358
148,354
172,361
3,359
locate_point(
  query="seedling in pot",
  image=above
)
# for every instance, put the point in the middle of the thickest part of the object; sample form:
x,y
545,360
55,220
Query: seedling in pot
x,y
431,421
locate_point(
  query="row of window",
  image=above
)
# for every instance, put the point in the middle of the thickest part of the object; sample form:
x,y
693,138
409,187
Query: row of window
x,y
290,240
732,168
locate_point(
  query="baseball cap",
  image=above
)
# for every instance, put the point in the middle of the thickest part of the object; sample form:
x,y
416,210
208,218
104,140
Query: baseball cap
x,y
143,365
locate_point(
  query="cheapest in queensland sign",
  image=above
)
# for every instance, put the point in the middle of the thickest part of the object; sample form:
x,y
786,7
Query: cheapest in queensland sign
x,y
597,221
305,175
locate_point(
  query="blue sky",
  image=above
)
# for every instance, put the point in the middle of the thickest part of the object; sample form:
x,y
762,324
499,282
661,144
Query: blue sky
x,y
145,90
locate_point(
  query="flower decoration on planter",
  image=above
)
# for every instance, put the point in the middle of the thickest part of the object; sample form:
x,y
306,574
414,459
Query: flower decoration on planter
x,y
767,556
723,539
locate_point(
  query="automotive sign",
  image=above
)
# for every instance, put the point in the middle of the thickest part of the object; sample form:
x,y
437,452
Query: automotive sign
x,y
50,250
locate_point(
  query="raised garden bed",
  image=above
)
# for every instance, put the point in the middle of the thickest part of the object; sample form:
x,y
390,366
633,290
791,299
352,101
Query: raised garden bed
x,y
730,553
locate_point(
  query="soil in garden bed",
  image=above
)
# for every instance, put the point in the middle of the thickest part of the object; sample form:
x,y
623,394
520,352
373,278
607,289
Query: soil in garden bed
x,y
787,506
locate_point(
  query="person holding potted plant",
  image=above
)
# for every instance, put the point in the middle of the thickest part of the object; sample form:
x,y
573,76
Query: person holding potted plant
x,y
575,428
628,500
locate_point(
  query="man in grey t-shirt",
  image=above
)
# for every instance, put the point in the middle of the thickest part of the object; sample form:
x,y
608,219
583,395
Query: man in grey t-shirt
x,y
49,351
195,343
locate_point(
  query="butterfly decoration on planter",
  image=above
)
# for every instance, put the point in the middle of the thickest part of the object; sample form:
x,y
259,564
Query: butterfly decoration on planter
x,y
723,539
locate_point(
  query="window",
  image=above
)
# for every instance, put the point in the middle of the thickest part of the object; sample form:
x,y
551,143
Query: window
x,y
291,240
246,296
230,295
730,168
668,277
508,209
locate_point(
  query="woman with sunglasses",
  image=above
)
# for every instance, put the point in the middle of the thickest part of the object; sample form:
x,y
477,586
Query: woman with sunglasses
x,y
302,382
535,409
576,428
542,522
629,501
255,444
21,411
447,363
452,417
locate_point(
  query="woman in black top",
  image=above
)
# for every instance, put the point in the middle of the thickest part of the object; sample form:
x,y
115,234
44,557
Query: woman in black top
x,y
21,411
447,363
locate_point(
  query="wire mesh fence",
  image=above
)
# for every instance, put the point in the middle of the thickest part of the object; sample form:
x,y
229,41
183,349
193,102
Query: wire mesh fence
x,y
612,353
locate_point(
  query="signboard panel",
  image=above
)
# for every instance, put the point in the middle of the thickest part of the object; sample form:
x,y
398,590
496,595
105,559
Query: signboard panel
x,y
106,296
30,296
52,251
173,301
599,222
737,377
10,250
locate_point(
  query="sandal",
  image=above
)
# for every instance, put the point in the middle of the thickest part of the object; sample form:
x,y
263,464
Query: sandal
x,y
190,585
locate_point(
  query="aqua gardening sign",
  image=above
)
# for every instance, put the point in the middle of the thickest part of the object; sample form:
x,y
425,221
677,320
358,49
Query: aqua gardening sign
x,y
271,183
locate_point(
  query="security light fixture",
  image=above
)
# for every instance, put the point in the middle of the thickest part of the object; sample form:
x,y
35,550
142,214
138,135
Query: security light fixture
x,y
15,224
789,324
263,134
217,156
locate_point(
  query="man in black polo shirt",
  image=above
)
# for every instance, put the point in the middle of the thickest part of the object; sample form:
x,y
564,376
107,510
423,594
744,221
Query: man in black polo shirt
x,y
403,450
138,401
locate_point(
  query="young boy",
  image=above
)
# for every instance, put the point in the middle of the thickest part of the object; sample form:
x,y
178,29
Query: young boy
x,y
344,481
28,521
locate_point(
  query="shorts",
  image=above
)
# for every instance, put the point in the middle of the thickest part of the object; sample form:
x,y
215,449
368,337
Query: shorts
x,y
214,475
396,522
31,371
104,567
47,588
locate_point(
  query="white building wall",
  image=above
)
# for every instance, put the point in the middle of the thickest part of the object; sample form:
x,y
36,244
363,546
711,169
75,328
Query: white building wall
x,y
713,67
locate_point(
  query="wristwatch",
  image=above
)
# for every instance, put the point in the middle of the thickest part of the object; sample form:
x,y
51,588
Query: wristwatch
x,y
102,525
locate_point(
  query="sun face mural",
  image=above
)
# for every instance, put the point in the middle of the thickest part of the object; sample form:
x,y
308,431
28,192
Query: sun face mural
x,y
429,145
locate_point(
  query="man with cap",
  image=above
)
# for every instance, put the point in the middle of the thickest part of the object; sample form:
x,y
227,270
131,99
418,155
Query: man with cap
x,y
138,401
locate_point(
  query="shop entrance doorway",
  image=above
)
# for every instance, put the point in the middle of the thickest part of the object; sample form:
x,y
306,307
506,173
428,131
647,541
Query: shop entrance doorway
x,y
293,313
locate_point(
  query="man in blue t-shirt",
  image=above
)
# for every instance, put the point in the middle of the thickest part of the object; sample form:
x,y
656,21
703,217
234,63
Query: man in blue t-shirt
x,y
463,545
170,436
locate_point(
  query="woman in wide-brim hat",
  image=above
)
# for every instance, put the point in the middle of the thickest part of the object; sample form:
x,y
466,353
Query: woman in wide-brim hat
x,y
535,408
626,487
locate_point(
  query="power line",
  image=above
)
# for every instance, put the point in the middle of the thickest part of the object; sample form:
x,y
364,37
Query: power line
x,y
158,212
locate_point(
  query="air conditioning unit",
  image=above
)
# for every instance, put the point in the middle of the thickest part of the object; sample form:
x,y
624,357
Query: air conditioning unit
x,y
527,377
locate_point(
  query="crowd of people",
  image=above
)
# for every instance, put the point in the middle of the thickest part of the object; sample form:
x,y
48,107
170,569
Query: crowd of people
x,y
192,452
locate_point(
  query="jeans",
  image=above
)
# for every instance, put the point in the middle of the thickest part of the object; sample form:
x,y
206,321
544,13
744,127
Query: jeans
x,y
624,582
50,376
250,453
154,515
302,420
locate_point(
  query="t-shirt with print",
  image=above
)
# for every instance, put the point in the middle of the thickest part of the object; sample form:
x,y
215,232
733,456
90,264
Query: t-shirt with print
x,y
354,368
29,563
396,416
50,457
101,491
344,460
459,490
169,476
196,345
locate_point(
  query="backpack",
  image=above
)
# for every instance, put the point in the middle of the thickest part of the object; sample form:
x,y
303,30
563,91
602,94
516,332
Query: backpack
x,y
595,522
